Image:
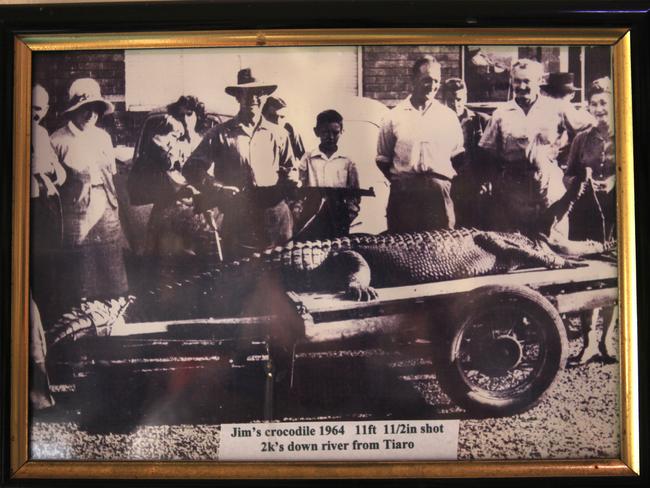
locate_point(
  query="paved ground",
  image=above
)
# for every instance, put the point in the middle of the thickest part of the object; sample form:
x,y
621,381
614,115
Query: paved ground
x,y
178,418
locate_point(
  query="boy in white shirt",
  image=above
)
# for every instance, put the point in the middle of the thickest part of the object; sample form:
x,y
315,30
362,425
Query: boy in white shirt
x,y
325,167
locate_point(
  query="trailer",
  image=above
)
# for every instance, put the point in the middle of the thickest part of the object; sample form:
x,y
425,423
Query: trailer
x,y
497,342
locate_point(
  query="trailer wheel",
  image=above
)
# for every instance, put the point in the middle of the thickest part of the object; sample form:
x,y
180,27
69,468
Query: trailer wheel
x,y
504,351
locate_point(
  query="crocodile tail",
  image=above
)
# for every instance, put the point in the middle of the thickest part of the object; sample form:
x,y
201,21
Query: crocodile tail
x,y
91,318
563,207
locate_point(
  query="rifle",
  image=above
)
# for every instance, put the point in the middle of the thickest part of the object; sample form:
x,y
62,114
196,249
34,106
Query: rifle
x,y
270,195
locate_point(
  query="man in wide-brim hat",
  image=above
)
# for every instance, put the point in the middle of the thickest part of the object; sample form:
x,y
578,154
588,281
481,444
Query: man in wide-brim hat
x,y
246,152
560,85
246,82
251,95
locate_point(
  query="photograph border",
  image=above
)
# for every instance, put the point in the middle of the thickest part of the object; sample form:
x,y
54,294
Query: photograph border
x,y
619,38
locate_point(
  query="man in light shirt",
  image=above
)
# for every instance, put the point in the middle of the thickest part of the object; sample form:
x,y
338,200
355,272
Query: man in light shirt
x,y
524,138
47,172
47,176
247,152
467,189
420,143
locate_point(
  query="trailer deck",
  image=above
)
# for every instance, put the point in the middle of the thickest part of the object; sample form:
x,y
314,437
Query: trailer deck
x,y
330,316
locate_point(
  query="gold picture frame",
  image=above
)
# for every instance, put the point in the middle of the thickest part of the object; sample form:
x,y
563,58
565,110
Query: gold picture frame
x,y
22,468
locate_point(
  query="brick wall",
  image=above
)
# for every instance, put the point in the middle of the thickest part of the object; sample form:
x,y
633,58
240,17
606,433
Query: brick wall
x,y
385,78
386,69
57,70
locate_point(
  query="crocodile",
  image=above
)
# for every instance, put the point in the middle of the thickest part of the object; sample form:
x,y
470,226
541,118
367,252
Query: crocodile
x,y
355,265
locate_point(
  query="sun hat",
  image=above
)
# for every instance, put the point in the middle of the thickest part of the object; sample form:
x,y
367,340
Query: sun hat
x,y
84,91
246,81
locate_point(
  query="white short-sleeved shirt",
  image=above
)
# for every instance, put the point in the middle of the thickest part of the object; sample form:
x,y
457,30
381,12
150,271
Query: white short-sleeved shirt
x,y
337,171
244,156
44,159
420,141
511,131
527,145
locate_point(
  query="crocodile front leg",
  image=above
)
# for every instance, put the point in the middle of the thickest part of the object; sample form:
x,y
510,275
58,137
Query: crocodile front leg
x,y
349,270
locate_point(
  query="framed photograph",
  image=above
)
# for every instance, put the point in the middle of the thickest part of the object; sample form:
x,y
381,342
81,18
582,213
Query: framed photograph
x,y
329,253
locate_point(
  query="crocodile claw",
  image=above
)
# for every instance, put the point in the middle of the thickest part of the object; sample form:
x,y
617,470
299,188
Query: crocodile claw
x,y
361,293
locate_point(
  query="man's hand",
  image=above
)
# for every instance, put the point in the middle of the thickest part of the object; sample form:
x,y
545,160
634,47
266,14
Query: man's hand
x,y
230,190
606,185
51,190
186,194
353,208
486,188
84,196
214,195
296,207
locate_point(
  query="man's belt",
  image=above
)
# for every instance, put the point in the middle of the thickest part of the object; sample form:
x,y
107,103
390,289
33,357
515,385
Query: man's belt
x,y
415,181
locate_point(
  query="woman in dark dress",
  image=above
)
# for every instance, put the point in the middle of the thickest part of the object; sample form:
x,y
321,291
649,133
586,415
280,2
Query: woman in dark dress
x,y
174,229
593,150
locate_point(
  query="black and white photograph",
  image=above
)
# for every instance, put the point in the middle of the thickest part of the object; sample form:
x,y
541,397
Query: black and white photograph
x,y
386,240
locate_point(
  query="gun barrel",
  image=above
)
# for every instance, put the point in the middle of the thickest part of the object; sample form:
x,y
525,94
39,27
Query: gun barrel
x,y
208,199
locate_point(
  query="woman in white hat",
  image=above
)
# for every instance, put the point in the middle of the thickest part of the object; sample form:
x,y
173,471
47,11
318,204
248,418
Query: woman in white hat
x,y
92,235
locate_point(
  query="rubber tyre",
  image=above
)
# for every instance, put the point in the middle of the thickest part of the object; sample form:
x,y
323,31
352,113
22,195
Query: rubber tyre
x,y
545,325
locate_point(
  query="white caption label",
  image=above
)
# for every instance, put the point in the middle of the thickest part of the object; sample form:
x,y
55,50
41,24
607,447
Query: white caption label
x,y
331,441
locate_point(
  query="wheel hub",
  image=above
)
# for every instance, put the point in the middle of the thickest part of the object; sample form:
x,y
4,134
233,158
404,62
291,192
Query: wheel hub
x,y
498,355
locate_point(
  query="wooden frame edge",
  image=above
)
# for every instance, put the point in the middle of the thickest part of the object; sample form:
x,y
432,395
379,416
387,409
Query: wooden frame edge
x,y
628,343
302,470
20,258
305,37
22,468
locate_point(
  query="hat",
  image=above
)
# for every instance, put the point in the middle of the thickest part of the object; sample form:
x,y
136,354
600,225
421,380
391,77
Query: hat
x,y
84,91
559,84
601,85
246,81
276,103
453,85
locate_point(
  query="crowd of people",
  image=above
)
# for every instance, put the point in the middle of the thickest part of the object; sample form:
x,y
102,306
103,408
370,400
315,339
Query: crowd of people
x,y
230,189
